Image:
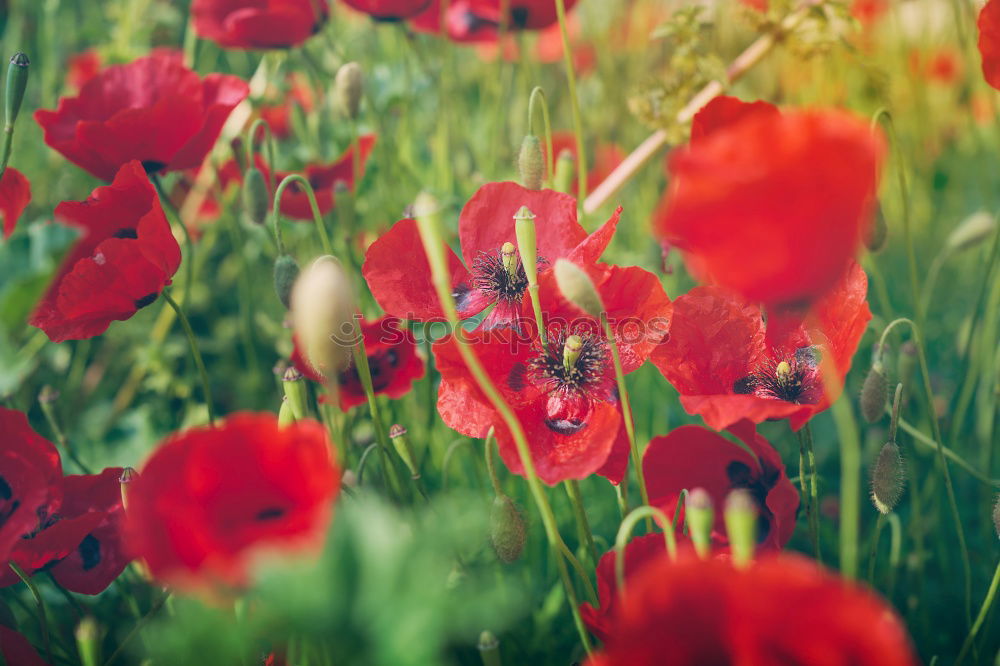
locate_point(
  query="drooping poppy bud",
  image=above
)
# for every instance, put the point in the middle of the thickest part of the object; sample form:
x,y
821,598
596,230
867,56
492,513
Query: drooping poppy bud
x,y
239,152
348,86
294,385
397,434
562,181
508,531
970,232
323,315
873,393
256,198
878,235
88,641
741,525
530,163
888,478
489,648
996,516
577,287
286,272
700,518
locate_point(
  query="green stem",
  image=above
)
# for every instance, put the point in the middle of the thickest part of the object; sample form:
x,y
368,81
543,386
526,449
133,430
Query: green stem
x,y
324,238
491,465
365,374
581,157
199,363
850,485
981,617
572,487
954,457
804,487
43,619
60,436
137,628
813,491
172,211
537,92
625,533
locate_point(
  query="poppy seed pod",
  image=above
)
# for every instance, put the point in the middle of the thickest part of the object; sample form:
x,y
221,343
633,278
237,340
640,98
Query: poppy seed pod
x,y
256,198
348,87
17,81
700,518
128,475
508,531
577,287
970,232
397,434
888,478
562,181
295,392
285,415
527,242
286,272
489,648
741,525
530,163
873,393
323,315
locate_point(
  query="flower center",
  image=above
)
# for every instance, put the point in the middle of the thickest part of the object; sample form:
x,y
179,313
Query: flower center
x,y
569,368
795,379
500,274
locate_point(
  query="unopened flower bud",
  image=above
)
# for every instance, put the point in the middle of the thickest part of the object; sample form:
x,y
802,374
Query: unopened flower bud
x,y
565,172
700,519
239,149
970,232
286,272
996,516
527,242
256,199
17,81
88,641
577,287
873,393
294,385
127,476
888,478
397,434
741,525
489,649
323,315
878,235
508,531
530,163
348,86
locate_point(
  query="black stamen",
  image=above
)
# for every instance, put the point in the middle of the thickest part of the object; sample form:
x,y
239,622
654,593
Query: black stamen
x,y
90,552
270,513
125,233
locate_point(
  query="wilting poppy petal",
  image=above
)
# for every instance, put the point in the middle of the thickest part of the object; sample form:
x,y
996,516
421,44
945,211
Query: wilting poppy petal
x,y
15,194
258,24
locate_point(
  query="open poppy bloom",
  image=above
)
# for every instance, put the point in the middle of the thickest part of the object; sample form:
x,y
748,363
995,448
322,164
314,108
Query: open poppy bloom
x,y
989,41
153,109
211,499
78,541
392,359
389,10
258,24
16,649
774,206
479,20
15,195
781,609
728,364
695,457
564,393
605,159
125,257
82,67
399,275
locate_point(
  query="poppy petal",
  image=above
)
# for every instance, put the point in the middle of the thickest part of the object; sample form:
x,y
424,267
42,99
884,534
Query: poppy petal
x,y
15,194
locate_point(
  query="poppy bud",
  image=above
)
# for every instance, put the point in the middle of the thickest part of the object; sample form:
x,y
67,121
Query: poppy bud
x,y
970,232
239,152
996,516
888,477
17,81
565,167
508,531
397,434
343,202
873,393
527,242
741,525
700,518
323,315
530,164
293,383
286,272
127,476
347,88
256,199
489,649
878,235
88,643
577,287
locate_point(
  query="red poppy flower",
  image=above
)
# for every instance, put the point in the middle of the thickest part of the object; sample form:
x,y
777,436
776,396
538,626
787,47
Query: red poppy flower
x,y
869,11
774,206
548,47
16,649
569,409
258,24
29,479
759,5
399,276
82,67
278,111
782,609
392,359
605,159
125,257
989,41
211,499
77,540
728,365
389,10
15,195
479,20
153,109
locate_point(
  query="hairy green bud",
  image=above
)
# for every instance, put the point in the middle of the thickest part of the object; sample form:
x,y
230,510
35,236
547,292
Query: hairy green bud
x,y
256,199
577,287
530,163
888,478
873,394
508,530
286,271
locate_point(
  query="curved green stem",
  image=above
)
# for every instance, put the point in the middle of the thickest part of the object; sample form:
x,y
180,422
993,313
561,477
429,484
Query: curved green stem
x,y
537,92
954,457
268,147
850,485
981,617
324,238
43,619
199,363
365,374
625,533
583,525
491,465
581,157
